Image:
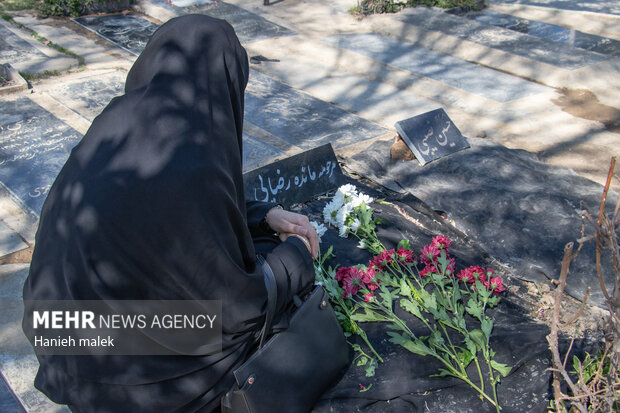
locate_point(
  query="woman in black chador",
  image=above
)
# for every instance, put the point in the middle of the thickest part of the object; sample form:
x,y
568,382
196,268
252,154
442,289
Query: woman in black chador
x,y
150,206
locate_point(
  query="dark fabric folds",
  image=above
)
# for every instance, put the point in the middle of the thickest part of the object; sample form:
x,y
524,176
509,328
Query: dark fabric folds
x,y
150,205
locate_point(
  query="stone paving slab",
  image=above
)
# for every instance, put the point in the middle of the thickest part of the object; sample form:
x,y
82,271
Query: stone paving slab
x,y
130,32
66,34
10,241
256,152
301,119
34,145
26,55
547,31
17,360
379,102
507,41
89,94
249,27
8,401
606,25
446,69
593,6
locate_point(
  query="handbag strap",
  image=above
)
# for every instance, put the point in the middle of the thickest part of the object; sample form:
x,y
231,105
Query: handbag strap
x,y
272,296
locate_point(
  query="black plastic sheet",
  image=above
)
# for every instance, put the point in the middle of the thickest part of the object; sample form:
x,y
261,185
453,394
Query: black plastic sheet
x,y
403,382
518,209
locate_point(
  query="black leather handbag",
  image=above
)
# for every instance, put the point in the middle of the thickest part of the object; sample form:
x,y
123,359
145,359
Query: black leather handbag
x,y
290,371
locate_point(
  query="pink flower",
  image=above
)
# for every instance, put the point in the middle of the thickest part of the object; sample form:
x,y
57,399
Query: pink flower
x,y
369,275
351,286
441,243
383,259
368,297
342,273
427,270
496,285
472,274
351,280
429,254
404,255
450,268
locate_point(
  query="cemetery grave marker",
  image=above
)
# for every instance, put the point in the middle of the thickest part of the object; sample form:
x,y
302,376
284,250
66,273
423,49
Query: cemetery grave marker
x,y
431,135
296,179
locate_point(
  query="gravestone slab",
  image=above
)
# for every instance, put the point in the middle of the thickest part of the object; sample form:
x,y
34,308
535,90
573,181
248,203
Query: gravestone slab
x,y
297,179
431,135
449,70
89,96
248,26
128,31
531,47
594,6
15,50
300,119
547,31
256,152
34,146
8,402
519,209
10,242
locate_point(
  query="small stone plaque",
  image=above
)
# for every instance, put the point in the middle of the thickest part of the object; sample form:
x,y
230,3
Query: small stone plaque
x,y
297,179
431,135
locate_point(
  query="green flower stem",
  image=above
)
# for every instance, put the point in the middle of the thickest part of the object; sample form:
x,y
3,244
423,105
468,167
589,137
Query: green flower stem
x,y
364,337
480,374
465,378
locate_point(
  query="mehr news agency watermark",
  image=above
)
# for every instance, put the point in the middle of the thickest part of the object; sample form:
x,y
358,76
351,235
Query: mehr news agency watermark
x,y
123,327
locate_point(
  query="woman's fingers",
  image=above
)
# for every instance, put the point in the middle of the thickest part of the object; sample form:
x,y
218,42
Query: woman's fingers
x,y
290,222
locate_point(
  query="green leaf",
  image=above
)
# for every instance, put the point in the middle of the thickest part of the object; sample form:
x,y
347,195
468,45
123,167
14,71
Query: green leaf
x,y
486,325
442,260
370,369
482,290
362,361
493,301
479,339
368,316
465,357
430,302
417,347
404,244
386,296
502,368
474,309
470,345
442,373
436,339
412,307
576,364
404,288
442,315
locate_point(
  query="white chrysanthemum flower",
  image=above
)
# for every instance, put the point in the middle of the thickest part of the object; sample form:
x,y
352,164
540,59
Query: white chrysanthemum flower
x,y
338,200
320,229
355,225
348,190
343,213
361,244
343,231
329,213
357,201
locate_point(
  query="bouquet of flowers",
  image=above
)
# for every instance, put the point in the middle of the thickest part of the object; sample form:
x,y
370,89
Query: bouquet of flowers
x,y
452,306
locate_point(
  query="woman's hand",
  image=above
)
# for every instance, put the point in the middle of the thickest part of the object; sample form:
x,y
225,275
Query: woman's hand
x,y
287,223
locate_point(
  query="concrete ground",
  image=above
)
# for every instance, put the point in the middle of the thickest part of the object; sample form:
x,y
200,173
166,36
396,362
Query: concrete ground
x,y
541,94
